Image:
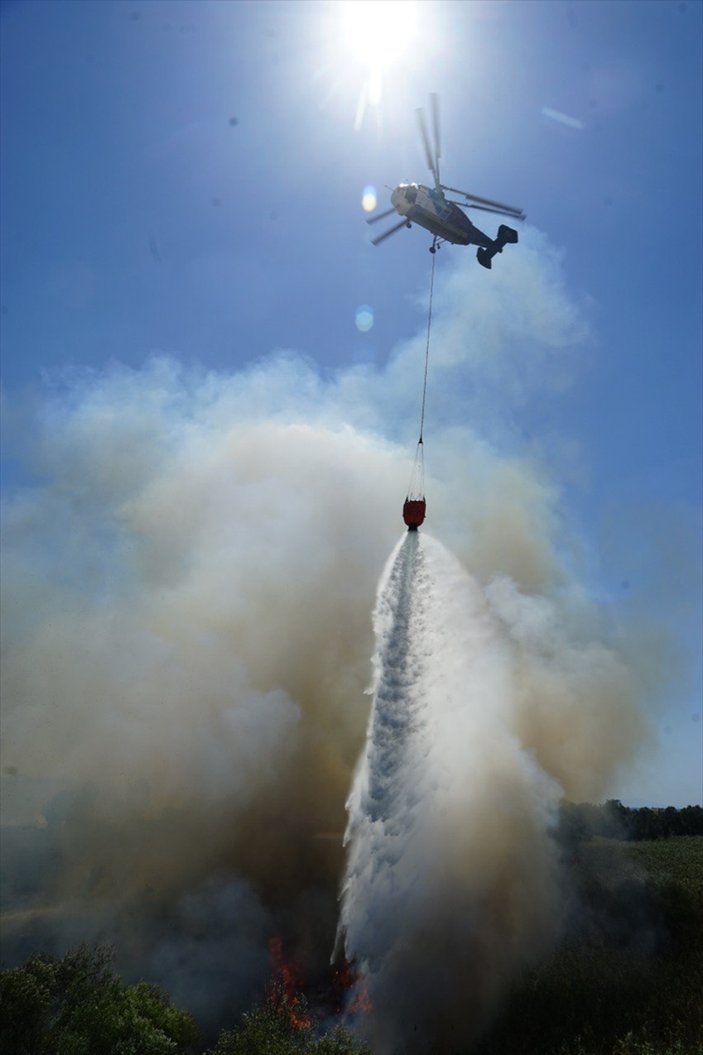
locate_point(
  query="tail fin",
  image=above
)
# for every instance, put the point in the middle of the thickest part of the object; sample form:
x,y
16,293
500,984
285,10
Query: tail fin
x,y
484,257
506,236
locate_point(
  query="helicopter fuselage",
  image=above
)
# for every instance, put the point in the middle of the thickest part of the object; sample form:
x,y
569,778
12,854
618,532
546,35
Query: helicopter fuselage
x,y
428,207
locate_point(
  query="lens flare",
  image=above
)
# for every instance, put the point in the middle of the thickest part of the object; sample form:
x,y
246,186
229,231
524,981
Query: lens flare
x,y
364,318
562,119
369,200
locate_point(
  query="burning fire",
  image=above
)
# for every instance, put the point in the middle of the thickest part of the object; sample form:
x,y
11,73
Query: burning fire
x,y
361,1004
348,980
341,995
286,985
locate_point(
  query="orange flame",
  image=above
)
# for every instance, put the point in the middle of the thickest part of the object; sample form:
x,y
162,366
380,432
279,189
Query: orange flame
x,y
362,1002
284,991
346,979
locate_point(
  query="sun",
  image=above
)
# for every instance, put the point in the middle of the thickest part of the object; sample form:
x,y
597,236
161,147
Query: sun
x,y
378,33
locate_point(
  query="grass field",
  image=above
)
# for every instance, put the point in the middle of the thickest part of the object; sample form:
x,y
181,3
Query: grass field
x,y
629,979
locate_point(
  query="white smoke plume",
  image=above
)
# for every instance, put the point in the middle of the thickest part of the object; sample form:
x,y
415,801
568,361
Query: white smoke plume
x,y
452,882
187,588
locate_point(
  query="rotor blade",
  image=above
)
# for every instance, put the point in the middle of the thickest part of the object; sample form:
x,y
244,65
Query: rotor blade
x,y
508,210
380,215
388,233
498,212
426,143
487,208
434,100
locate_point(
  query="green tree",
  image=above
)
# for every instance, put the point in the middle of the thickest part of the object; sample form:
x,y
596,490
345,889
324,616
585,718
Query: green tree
x,y
271,1029
78,1006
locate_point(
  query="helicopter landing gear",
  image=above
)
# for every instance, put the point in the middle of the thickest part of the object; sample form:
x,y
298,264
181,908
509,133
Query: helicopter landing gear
x,y
435,245
408,225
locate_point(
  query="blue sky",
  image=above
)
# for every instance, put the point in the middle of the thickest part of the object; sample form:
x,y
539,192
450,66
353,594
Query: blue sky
x,y
183,180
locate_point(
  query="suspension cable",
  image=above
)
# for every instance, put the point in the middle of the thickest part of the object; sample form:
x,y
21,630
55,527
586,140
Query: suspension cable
x,y
427,347
416,485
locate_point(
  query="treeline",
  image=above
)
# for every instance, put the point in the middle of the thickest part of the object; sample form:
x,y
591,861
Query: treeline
x,y
627,979
612,820
77,1005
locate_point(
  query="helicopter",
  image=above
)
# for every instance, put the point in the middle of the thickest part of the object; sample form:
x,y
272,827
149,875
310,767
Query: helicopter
x,y
446,220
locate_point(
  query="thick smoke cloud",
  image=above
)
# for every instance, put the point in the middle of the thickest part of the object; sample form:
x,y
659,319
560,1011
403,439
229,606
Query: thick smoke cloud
x,y
190,666
187,590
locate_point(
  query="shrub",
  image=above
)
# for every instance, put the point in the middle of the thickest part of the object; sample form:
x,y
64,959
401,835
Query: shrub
x,y
77,1006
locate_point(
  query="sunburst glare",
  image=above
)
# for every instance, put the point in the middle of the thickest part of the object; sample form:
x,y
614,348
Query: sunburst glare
x,y
378,33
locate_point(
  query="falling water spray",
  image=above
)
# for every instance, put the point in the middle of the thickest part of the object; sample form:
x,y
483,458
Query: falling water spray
x,y
451,881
